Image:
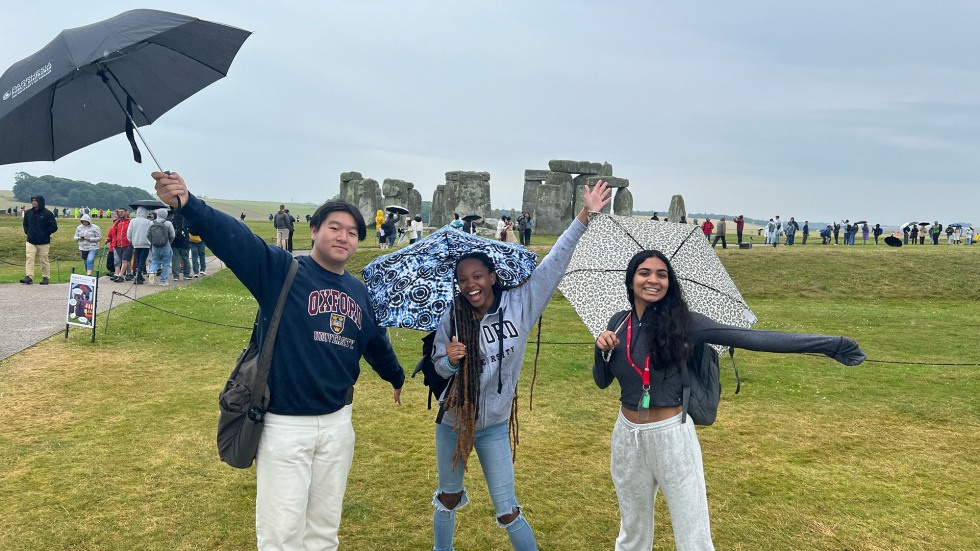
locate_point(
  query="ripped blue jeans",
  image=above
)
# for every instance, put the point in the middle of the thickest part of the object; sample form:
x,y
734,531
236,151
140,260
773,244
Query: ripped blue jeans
x,y
492,446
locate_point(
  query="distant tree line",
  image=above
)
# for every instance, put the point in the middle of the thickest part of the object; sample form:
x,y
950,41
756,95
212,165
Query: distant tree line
x,y
75,193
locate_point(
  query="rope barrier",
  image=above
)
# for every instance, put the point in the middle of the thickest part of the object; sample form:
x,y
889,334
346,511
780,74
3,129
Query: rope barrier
x,y
179,315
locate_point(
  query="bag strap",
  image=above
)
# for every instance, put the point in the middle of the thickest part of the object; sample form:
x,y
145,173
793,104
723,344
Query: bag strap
x,y
686,389
265,355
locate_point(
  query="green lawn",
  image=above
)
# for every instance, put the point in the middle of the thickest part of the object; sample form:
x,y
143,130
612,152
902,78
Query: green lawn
x,y
111,446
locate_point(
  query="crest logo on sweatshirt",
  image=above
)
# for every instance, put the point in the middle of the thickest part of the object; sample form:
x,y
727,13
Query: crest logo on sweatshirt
x,y
337,323
336,303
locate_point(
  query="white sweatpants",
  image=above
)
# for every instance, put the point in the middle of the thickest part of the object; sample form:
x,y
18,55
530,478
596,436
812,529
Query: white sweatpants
x,y
662,455
301,474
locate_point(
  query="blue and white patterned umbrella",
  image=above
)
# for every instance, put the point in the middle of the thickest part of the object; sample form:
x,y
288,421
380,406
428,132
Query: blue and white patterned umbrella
x,y
413,287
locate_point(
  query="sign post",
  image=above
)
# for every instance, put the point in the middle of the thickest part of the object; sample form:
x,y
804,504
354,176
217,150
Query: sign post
x,y
82,301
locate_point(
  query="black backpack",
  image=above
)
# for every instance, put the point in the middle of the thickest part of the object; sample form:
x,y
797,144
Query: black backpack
x,y
436,383
702,384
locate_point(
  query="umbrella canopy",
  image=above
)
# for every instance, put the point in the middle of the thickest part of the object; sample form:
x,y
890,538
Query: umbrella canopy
x,y
472,217
149,203
925,223
955,225
861,222
396,209
414,286
893,241
594,280
78,89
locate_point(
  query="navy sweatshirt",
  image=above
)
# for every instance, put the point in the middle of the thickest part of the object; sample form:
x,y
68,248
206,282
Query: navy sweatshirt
x,y
327,323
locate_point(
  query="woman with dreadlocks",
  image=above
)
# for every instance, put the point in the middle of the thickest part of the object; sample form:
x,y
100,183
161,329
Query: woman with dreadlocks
x,y
480,344
654,445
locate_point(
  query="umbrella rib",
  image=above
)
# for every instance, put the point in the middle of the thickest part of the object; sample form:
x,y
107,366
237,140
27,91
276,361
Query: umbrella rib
x,y
684,242
198,61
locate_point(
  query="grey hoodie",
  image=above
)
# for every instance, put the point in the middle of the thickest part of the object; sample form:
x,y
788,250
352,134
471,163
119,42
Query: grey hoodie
x,y
137,229
520,309
161,218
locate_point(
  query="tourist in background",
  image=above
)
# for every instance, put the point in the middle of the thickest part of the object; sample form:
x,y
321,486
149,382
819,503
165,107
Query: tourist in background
x,y
88,236
39,224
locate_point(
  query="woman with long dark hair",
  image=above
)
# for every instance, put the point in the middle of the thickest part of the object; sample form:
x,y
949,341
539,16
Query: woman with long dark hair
x,y
480,344
655,447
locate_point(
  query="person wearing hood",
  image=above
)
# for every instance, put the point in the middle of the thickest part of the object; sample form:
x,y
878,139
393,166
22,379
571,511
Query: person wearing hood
x,y
136,234
160,234
181,247
39,224
88,236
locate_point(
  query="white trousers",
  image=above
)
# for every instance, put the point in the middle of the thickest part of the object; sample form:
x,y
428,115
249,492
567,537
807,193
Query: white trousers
x,y
301,473
653,456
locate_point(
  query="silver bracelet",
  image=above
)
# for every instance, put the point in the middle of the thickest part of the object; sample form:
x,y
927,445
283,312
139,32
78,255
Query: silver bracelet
x,y
606,354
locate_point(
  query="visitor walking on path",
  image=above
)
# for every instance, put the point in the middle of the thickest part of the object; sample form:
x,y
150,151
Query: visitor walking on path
x,y
88,236
39,224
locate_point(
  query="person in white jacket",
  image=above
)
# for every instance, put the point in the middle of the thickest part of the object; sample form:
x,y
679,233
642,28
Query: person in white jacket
x,y
88,236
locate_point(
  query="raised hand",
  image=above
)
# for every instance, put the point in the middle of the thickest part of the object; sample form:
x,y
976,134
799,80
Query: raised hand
x,y
595,199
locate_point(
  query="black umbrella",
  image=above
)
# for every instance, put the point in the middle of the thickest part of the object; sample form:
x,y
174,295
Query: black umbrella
x,y
472,217
893,241
396,209
149,203
96,81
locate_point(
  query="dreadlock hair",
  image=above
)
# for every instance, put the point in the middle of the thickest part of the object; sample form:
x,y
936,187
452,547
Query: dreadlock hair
x,y
463,397
668,319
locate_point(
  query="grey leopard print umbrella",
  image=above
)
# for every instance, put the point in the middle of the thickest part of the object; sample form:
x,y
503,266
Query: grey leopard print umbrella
x,y
594,281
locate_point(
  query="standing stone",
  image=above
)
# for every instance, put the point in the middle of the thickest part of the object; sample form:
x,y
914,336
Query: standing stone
x,y
345,185
549,214
472,193
530,200
450,199
413,201
366,197
585,180
677,210
622,203
566,186
395,192
437,214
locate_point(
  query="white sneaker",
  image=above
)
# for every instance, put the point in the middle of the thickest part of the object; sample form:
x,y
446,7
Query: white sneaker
x,y
202,273
164,284
195,276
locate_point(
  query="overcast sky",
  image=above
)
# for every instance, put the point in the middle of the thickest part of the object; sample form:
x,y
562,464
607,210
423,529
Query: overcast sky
x,y
818,110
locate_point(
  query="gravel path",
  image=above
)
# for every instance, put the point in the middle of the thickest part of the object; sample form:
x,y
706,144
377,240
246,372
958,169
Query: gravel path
x,y
32,313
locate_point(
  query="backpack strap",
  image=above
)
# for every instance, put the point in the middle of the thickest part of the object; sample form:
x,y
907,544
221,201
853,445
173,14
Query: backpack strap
x,y
686,388
256,411
738,382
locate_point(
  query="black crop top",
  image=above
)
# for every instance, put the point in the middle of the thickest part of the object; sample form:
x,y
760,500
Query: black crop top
x,y
665,383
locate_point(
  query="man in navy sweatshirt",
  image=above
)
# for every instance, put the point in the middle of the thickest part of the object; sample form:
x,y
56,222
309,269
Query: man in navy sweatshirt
x,y
327,324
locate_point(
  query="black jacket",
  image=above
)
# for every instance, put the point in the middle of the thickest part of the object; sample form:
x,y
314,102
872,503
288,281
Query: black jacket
x,y
39,223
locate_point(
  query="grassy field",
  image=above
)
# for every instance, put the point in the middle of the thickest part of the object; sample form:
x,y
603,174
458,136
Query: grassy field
x,y
111,446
